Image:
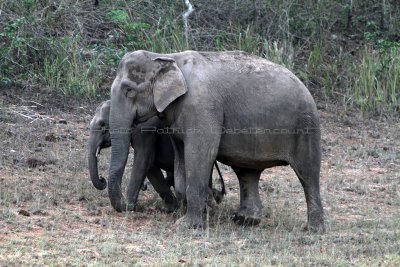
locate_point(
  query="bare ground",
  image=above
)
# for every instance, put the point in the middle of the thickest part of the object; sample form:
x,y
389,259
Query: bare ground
x,y
51,214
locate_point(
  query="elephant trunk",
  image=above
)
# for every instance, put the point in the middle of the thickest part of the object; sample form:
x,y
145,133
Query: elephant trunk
x,y
119,156
98,183
121,120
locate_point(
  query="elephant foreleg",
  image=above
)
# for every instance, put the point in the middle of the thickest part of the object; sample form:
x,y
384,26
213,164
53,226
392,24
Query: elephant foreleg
x,y
135,184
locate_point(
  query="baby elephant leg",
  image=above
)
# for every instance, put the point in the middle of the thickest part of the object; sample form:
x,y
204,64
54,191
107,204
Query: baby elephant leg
x,y
161,186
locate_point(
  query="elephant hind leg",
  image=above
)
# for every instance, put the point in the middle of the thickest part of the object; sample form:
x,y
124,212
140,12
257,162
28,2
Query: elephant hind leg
x,y
307,170
250,210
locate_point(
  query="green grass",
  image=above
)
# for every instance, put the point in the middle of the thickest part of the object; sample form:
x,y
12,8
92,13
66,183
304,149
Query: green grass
x,y
69,71
377,85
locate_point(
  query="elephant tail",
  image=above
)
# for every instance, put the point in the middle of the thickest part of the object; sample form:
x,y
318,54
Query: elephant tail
x,y
219,195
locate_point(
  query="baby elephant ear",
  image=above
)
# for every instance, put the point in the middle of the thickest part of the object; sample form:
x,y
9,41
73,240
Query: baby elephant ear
x,y
168,85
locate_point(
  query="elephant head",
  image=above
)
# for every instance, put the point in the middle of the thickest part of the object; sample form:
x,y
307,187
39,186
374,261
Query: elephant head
x,y
145,84
99,139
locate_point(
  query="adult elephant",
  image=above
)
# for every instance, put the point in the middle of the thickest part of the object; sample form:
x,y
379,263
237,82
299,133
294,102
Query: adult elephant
x,y
153,152
242,110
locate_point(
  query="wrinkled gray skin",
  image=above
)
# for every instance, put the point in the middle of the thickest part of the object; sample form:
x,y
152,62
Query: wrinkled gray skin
x,y
242,110
152,152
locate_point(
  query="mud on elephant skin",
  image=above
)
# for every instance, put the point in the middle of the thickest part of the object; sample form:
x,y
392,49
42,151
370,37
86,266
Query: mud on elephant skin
x,y
153,152
252,114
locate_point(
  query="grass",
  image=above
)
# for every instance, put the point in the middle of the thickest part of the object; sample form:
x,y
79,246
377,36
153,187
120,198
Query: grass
x,y
71,223
69,71
78,53
376,87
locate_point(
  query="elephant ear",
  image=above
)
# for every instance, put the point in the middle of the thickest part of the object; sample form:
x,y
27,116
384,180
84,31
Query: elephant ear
x,y
169,83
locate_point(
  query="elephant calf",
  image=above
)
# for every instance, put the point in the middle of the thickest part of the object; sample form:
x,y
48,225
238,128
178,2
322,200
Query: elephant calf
x,y
152,152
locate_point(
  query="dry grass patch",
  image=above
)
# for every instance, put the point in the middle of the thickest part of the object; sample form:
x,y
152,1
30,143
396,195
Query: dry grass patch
x,y
51,214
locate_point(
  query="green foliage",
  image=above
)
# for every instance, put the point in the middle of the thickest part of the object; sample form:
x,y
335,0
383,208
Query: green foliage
x,y
134,32
121,17
377,83
377,86
320,41
70,70
13,45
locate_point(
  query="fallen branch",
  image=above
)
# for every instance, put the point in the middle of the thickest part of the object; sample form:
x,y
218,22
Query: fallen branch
x,y
30,114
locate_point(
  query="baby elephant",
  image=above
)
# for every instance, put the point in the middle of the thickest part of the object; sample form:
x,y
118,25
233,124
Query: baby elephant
x,y
152,152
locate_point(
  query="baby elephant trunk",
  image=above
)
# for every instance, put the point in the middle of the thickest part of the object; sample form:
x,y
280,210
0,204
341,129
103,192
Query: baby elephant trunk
x,y
99,182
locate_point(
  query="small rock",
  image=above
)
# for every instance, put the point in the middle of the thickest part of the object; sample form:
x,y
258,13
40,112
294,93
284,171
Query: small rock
x,y
97,212
24,213
62,121
50,137
52,161
373,153
375,135
348,122
82,198
34,162
40,212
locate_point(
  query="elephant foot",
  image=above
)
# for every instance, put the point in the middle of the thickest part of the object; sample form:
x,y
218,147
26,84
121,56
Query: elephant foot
x,y
170,204
119,206
190,222
320,229
247,218
315,224
131,207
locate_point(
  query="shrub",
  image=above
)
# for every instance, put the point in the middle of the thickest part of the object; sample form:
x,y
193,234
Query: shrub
x,y
342,50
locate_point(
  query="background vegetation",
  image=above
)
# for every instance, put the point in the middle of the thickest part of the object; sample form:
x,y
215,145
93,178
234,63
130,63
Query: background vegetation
x,y
57,60
345,51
